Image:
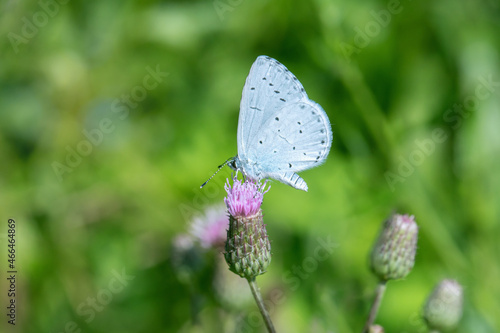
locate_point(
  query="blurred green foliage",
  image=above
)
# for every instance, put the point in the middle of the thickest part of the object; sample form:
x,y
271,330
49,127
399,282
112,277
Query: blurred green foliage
x,y
389,74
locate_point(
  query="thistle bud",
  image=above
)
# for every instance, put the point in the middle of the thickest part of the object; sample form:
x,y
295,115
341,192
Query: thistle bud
x,y
393,254
248,251
187,259
444,307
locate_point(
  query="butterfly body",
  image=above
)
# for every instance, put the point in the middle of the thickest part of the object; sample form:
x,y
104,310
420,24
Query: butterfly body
x,y
280,130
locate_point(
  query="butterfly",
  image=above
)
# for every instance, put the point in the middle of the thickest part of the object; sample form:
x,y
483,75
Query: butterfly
x,y
280,130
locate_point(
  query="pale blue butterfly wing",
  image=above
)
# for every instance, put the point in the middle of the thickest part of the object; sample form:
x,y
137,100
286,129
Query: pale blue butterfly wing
x,y
280,130
266,85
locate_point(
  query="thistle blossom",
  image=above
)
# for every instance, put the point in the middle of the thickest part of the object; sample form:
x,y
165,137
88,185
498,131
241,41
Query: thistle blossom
x,y
210,228
244,198
248,250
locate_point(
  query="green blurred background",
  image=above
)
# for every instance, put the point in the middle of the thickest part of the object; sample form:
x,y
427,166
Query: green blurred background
x,y
388,74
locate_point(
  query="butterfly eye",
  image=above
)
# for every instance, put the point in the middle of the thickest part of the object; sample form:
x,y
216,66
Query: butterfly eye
x,y
232,164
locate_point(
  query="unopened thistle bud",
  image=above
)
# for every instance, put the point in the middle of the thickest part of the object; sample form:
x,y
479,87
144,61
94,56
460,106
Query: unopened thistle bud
x,y
444,307
393,255
248,251
187,259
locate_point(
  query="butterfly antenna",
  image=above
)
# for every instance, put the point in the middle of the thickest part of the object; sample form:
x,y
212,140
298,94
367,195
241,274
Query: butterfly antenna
x,y
219,167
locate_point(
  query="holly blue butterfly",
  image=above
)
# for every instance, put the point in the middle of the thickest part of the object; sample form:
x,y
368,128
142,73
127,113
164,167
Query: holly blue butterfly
x,y
280,130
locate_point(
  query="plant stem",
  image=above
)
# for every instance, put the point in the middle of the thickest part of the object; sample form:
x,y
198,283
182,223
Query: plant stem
x,y
260,304
379,293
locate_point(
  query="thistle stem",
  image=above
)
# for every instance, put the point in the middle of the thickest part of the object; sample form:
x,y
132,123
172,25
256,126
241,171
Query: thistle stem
x,y
379,293
260,304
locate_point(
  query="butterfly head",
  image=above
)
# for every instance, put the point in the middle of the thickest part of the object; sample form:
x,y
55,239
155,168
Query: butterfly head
x,y
233,163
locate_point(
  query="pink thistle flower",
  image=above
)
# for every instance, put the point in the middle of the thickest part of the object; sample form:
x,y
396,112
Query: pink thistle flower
x,y
248,250
244,198
210,229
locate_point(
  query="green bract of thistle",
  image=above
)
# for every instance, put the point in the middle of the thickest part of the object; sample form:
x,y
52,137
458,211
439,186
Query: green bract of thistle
x,y
248,250
444,307
393,254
